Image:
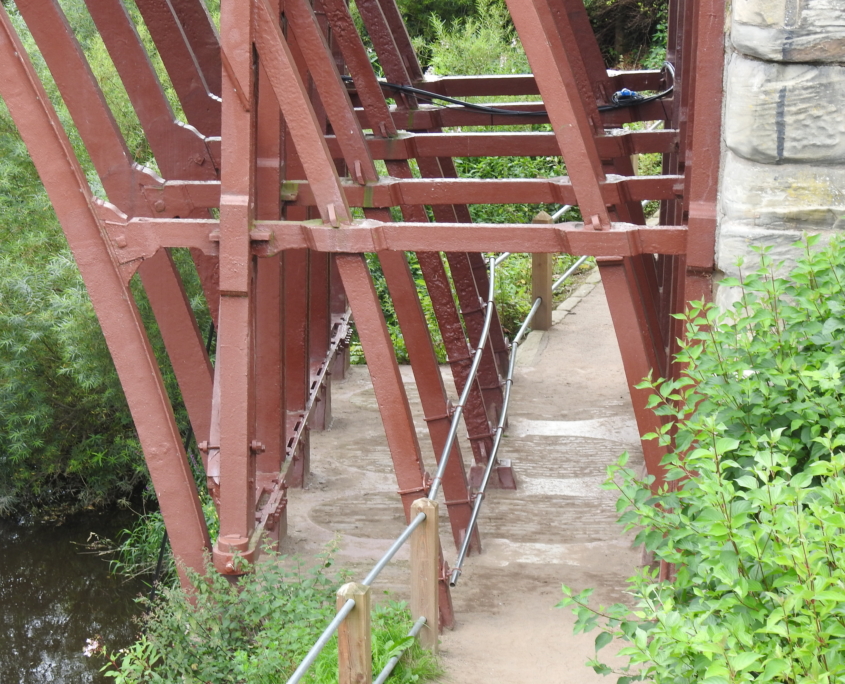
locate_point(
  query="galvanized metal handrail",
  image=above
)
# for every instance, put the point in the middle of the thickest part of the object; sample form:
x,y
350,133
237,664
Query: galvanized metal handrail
x,y
560,212
320,644
473,371
387,557
333,626
500,428
568,272
388,669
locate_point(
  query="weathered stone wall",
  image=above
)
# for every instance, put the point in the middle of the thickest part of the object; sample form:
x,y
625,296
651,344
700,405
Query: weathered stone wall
x,y
784,128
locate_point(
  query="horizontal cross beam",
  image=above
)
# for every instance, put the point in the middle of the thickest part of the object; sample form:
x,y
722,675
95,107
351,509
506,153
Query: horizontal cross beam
x,y
506,144
179,198
140,238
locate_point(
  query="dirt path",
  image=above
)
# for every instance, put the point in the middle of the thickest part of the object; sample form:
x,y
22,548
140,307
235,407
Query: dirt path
x,y
570,418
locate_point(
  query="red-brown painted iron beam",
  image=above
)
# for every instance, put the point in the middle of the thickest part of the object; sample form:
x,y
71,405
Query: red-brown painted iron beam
x,y
201,35
235,381
558,73
138,239
200,104
180,150
299,115
428,117
525,84
390,192
704,172
507,144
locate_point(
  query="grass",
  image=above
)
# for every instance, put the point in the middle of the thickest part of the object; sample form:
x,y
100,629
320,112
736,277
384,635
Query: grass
x,y
257,630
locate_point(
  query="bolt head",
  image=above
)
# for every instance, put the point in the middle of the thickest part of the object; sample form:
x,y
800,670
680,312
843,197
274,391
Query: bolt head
x,y
159,206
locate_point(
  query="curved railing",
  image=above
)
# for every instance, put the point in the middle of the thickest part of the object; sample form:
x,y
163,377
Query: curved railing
x,y
427,555
422,529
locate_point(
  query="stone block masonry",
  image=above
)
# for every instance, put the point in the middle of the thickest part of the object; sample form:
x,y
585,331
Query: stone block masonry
x,y
784,130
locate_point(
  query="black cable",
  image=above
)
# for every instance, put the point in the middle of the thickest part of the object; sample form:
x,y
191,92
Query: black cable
x,y
429,97
165,538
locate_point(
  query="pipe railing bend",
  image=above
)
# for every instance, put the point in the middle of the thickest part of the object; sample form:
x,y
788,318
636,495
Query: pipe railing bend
x,y
347,607
503,417
473,371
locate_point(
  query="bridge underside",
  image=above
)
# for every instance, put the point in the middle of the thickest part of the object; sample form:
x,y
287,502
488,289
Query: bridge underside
x,y
274,186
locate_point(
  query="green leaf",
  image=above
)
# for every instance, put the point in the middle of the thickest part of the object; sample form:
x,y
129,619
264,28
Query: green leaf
x,y
726,444
802,480
603,639
744,660
774,668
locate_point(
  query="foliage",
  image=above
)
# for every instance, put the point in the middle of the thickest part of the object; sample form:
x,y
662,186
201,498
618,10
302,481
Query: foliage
x,y
485,43
418,13
257,631
753,521
65,430
513,288
630,32
136,552
64,427
392,321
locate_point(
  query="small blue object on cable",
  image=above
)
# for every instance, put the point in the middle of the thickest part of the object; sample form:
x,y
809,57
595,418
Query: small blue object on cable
x,y
625,96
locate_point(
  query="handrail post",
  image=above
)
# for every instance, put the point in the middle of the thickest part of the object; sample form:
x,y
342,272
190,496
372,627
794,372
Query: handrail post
x,y
541,281
424,572
354,640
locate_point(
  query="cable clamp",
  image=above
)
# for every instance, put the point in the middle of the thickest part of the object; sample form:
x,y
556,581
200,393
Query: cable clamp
x,y
450,411
626,97
424,487
485,436
458,502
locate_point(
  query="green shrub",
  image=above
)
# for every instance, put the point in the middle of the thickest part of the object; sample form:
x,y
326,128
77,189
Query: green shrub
x,y
753,521
257,631
630,32
513,288
418,14
66,435
135,553
483,43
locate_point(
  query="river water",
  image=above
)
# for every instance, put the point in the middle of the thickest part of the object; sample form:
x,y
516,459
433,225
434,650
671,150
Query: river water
x,y
54,596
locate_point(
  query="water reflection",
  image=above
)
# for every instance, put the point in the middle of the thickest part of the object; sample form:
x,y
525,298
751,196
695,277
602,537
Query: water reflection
x,y
53,598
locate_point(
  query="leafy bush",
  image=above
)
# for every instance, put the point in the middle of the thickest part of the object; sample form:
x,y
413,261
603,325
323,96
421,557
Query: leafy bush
x,y
483,43
66,435
630,32
257,631
513,288
753,521
137,549
418,14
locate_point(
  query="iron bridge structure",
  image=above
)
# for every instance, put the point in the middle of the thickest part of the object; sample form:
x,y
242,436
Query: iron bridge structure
x,y
272,182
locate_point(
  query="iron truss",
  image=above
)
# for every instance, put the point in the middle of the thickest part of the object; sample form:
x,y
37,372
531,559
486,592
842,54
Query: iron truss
x,y
285,123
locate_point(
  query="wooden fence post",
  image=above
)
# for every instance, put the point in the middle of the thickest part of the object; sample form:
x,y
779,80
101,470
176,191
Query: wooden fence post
x,y
354,637
541,281
424,573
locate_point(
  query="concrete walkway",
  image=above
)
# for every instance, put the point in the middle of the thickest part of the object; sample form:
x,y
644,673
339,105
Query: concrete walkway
x,y
570,418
